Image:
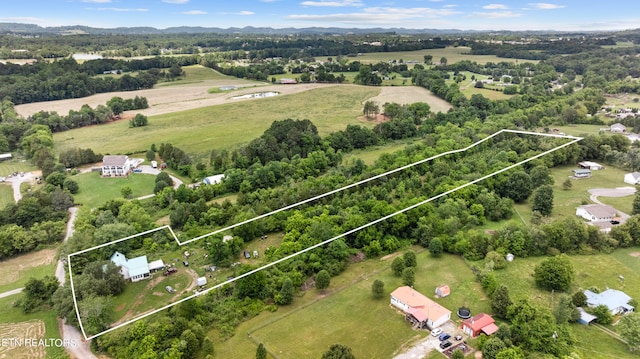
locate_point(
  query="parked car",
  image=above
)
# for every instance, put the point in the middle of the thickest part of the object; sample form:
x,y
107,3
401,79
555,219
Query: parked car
x,y
445,344
247,255
138,170
444,336
436,332
170,289
458,337
170,271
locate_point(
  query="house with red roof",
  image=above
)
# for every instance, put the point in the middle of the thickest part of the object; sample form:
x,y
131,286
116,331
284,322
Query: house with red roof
x,y
420,310
478,324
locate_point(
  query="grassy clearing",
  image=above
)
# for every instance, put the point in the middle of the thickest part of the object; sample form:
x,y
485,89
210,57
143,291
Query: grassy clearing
x,y
225,126
95,190
565,202
453,55
347,313
16,271
371,154
6,195
581,130
593,343
15,165
10,314
196,74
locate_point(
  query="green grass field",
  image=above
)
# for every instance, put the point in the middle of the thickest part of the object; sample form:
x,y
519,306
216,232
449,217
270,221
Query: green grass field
x,y
9,314
224,126
6,195
371,154
26,274
565,202
16,165
95,190
453,54
348,314
601,271
196,74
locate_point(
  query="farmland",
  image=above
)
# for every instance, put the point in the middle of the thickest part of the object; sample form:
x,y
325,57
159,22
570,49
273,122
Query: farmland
x,y
452,54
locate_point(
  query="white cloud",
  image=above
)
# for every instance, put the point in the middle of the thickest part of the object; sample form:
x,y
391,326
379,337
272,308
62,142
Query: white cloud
x,y
333,3
120,9
496,14
176,1
194,12
546,6
450,6
240,13
379,16
97,1
25,19
495,7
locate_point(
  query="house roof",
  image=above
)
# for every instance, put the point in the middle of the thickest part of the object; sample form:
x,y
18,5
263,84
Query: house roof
x,y
589,164
612,298
114,160
213,179
586,317
137,266
599,210
417,301
118,259
619,125
479,321
635,175
490,329
582,170
157,264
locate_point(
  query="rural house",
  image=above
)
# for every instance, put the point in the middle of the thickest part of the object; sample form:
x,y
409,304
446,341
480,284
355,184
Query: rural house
x,y
135,269
618,128
420,310
596,212
115,166
617,301
213,179
581,173
632,178
478,324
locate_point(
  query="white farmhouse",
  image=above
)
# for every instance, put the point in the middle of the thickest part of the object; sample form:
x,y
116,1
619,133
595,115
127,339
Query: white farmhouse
x,y
115,166
596,212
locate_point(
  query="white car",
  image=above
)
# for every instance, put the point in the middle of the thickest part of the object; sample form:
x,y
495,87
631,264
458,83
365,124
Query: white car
x,y
436,332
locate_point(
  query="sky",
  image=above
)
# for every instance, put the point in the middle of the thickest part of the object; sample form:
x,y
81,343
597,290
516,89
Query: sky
x,y
570,15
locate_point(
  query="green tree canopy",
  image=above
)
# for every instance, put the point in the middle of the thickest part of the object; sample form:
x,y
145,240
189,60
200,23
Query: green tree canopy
x,y
338,351
323,279
554,273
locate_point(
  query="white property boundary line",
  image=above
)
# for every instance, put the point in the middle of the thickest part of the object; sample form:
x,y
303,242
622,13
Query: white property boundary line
x,y
75,302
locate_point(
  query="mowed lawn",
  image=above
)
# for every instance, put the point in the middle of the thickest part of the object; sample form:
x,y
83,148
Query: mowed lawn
x,y
95,190
565,202
224,126
348,314
601,271
6,195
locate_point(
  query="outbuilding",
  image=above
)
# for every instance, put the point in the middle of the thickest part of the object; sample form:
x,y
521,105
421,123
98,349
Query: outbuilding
x,y
201,281
478,324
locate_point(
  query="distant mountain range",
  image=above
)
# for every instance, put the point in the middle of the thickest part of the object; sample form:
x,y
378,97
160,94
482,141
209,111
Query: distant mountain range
x,y
18,28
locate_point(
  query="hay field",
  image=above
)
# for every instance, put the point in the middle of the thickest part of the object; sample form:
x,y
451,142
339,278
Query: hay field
x,y
18,269
16,333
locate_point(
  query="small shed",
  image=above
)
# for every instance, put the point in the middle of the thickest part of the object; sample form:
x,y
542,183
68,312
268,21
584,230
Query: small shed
x,y
618,128
632,178
213,179
156,265
5,156
443,291
201,281
585,318
582,173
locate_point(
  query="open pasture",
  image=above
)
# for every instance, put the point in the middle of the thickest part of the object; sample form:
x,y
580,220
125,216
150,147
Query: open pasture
x,y
95,190
14,272
348,314
453,55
